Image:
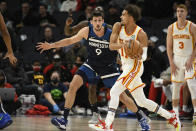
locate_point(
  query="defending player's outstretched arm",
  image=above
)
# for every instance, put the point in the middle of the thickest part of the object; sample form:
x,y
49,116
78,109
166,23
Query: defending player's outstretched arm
x,y
83,33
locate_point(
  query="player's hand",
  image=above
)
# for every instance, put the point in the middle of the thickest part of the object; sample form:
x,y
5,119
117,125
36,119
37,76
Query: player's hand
x,y
174,69
11,57
43,46
189,64
69,21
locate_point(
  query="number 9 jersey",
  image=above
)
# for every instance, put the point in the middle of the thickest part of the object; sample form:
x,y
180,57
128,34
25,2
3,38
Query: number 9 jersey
x,y
183,42
99,54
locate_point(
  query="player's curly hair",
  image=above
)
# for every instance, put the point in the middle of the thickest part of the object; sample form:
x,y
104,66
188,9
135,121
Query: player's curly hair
x,y
134,11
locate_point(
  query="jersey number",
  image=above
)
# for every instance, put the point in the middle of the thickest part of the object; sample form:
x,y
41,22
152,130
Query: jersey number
x,y
98,51
181,45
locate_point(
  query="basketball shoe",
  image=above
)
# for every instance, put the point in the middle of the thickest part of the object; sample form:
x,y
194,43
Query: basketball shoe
x,y
144,124
59,122
95,118
174,121
101,126
5,120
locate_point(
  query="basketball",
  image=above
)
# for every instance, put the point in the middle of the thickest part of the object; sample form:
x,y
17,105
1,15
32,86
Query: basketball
x,y
133,48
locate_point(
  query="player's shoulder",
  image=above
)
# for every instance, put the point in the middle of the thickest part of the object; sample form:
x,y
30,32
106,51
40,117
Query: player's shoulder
x,y
117,25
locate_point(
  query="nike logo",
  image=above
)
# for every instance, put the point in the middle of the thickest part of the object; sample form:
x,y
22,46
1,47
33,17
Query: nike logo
x,y
1,118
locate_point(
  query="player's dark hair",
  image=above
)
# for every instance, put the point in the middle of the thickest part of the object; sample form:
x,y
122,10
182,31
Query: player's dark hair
x,y
97,13
134,11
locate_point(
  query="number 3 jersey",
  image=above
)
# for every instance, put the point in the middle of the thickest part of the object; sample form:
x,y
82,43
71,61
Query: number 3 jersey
x,y
100,58
183,42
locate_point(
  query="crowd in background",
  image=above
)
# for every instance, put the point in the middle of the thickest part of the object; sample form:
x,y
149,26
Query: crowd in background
x,y
44,78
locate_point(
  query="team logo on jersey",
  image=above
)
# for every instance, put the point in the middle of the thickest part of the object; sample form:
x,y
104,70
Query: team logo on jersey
x,y
133,37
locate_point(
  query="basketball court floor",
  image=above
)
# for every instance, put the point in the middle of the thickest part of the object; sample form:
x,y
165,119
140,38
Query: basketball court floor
x,y
79,123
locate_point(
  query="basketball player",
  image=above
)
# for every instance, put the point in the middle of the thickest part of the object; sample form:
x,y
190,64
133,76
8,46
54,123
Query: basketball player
x,y
130,79
100,62
69,31
181,53
5,118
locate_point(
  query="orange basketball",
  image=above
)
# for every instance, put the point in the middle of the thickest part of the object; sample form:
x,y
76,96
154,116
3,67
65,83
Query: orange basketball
x,y
133,48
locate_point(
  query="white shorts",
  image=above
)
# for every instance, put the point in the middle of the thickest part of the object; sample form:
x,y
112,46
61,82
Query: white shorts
x,y
182,74
131,76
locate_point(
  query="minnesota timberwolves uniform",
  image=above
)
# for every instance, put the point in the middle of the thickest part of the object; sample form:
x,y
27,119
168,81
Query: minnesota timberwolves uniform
x,y
101,62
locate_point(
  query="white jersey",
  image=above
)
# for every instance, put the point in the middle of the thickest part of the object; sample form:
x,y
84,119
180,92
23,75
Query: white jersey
x,y
183,43
132,68
123,36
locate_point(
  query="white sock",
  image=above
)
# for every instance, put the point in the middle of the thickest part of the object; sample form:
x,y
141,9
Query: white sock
x,y
176,111
194,110
109,118
164,113
184,108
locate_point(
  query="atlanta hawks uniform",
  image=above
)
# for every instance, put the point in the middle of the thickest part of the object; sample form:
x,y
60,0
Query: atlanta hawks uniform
x,y
183,45
132,68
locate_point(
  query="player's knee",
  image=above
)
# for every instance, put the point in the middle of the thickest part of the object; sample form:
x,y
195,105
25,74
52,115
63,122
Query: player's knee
x,y
141,101
124,98
176,91
192,87
114,92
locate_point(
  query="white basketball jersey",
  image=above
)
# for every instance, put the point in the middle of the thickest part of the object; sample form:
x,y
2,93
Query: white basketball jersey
x,y
183,43
123,36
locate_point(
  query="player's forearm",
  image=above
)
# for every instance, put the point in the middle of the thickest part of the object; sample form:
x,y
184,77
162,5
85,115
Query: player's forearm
x,y
170,55
7,39
193,55
115,46
61,43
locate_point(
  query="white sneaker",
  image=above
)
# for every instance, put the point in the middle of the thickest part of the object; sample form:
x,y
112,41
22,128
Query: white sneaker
x,y
95,118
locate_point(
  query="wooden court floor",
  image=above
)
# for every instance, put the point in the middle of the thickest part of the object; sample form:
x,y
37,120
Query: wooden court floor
x,y
79,123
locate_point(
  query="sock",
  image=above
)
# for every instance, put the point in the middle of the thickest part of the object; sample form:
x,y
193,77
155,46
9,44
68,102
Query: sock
x,y
184,108
195,110
94,108
176,110
1,108
164,113
66,113
110,117
139,114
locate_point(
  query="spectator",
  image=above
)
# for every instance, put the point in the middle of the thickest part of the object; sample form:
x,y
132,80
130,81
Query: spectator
x,y
10,106
86,15
45,18
19,79
53,5
24,17
49,37
37,76
82,4
68,6
77,50
54,93
57,65
113,15
6,14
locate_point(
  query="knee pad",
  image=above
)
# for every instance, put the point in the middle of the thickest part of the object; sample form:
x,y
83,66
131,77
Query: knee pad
x,y
176,90
192,87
